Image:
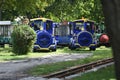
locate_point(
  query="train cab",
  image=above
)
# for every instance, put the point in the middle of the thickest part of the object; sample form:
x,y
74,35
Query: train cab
x,y
45,34
83,34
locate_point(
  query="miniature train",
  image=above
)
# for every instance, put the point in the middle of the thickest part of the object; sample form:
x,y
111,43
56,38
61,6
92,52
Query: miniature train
x,y
75,34
45,34
83,34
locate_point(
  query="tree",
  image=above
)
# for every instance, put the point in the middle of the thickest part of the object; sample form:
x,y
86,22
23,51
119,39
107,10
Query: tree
x,y
57,10
60,9
111,9
96,12
21,7
5,5
74,9
90,9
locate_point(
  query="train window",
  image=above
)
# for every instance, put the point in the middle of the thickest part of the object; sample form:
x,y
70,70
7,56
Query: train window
x,y
102,27
63,30
1,30
31,23
79,25
4,30
71,28
56,31
48,25
90,26
38,25
93,27
56,28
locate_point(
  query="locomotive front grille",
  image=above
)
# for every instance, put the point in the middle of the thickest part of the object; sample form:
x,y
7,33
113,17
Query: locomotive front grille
x,y
85,38
44,40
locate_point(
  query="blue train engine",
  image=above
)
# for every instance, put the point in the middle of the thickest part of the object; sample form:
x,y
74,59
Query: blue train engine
x,y
45,34
63,34
83,34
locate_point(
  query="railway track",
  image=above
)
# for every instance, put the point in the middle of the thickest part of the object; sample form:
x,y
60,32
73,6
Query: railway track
x,y
78,69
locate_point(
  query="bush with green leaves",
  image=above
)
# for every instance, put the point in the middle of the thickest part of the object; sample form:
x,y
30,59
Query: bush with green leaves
x,y
23,38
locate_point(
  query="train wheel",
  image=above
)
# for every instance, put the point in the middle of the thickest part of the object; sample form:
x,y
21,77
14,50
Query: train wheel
x,y
92,48
34,50
98,45
54,49
10,45
107,45
2,46
72,48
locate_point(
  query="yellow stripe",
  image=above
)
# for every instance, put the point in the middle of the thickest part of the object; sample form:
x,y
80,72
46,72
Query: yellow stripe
x,y
85,20
43,19
85,46
40,48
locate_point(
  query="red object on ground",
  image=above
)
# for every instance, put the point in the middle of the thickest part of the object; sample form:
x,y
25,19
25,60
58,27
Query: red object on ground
x,y
104,38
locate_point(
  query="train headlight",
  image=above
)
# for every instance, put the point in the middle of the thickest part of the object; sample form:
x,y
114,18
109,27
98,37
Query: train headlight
x,y
41,28
82,29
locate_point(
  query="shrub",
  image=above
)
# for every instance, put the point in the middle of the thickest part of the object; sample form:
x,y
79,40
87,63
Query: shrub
x,y
23,38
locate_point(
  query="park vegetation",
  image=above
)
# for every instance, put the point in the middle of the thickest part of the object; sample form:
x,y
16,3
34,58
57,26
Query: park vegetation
x,y
23,38
57,10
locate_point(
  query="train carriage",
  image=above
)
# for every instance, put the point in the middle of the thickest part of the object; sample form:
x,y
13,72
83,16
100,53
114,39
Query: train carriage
x,y
5,32
45,34
63,34
83,34
102,37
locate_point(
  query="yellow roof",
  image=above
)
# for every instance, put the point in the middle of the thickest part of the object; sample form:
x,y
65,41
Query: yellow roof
x,y
84,19
43,19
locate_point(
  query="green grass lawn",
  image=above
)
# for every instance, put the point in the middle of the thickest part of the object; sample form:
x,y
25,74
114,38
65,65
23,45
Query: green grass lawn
x,y
6,53
106,73
100,53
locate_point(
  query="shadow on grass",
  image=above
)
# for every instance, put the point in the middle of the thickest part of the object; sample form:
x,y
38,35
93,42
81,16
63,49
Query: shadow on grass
x,y
42,51
14,59
78,50
5,49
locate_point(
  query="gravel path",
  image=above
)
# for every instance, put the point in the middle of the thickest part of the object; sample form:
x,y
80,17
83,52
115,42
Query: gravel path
x,y
13,70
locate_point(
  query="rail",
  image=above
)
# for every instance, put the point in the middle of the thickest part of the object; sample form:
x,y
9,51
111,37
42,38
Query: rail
x,y
78,69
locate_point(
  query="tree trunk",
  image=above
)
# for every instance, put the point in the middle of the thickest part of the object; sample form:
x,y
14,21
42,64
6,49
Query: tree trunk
x,y
111,10
0,14
1,6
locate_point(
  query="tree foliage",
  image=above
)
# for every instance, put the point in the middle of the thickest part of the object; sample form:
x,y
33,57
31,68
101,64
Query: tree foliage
x,y
74,9
58,10
5,7
21,7
61,9
23,38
